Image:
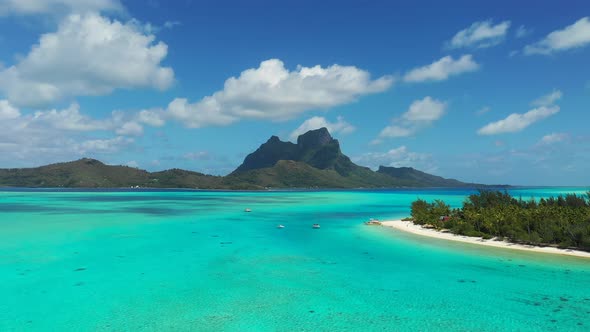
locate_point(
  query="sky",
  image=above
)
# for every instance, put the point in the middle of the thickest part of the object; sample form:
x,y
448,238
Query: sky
x,y
489,92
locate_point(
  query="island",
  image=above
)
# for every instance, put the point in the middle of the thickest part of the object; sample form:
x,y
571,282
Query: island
x,y
559,225
314,161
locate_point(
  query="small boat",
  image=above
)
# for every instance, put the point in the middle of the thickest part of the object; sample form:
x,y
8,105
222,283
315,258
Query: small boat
x,y
373,222
280,226
247,210
316,226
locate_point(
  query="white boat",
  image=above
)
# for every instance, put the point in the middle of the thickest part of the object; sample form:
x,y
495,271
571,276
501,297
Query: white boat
x,y
280,226
316,226
374,222
247,210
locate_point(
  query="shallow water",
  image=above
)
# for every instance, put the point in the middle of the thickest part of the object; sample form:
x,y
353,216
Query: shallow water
x,y
195,261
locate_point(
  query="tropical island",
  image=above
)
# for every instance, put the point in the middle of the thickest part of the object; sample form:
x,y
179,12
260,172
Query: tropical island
x,y
315,161
555,224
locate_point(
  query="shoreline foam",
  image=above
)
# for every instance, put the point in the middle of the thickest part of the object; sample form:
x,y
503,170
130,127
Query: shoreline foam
x,y
410,227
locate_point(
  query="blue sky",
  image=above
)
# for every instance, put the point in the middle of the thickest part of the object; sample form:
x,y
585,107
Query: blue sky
x,y
487,92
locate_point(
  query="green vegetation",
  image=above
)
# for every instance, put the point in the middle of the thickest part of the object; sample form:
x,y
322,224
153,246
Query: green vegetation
x,y
563,221
423,179
316,161
91,173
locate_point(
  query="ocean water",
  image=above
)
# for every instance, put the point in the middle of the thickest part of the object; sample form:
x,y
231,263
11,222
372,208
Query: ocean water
x,y
195,261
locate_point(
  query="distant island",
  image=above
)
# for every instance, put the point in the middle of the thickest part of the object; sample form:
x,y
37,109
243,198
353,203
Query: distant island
x,y
315,161
496,217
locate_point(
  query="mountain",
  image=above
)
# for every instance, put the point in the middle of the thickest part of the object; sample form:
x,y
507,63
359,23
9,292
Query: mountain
x,y
315,161
422,179
91,173
316,148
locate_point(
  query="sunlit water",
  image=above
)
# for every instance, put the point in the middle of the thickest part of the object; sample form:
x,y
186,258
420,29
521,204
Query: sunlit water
x,y
195,261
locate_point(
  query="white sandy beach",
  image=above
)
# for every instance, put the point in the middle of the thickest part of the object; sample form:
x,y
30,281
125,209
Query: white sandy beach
x,y
410,227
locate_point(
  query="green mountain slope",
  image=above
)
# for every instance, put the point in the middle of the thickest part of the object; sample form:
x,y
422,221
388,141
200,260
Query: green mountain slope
x,y
315,161
91,173
421,179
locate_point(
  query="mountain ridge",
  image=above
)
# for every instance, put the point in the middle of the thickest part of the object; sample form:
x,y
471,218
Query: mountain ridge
x,y
315,161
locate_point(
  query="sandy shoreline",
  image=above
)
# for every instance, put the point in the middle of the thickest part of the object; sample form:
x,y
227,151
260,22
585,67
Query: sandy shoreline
x,y
410,227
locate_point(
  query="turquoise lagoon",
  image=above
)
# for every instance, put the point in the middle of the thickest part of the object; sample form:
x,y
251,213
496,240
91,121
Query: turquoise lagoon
x,y
195,261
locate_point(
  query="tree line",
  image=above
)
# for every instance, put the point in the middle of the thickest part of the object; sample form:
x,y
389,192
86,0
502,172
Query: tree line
x,y
562,221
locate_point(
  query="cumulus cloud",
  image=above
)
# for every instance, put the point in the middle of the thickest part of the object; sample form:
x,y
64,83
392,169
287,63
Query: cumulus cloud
x,y
111,145
201,114
7,111
516,122
548,99
70,119
24,140
38,7
427,109
130,129
573,36
442,69
398,157
420,114
88,55
153,117
62,134
553,138
272,92
481,34
316,122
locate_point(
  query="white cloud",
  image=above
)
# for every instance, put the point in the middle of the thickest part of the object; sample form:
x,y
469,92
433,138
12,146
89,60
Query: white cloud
x,y
70,119
29,139
154,118
272,92
516,122
548,99
420,114
88,55
207,112
37,7
573,36
7,111
553,138
316,122
111,145
62,134
398,157
130,129
132,163
425,110
394,131
522,32
480,35
442,69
